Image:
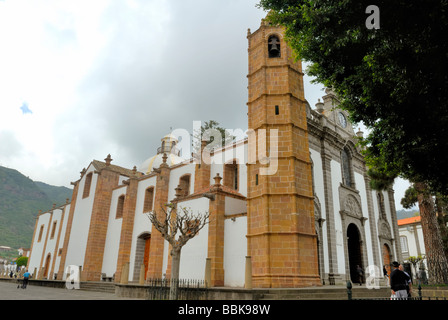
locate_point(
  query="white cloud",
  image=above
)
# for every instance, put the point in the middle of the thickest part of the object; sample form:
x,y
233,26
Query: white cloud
x,y
108,76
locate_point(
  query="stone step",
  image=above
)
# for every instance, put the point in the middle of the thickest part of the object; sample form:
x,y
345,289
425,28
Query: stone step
x,y
98,286
325,294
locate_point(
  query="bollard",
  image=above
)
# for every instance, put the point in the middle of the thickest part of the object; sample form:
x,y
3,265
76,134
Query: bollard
x,y
349,290
208,272
248,273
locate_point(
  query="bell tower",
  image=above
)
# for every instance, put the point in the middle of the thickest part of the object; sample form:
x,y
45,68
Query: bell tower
x,y
282,240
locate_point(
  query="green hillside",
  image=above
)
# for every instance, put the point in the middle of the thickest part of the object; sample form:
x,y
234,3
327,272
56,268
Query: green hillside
x,y
20,201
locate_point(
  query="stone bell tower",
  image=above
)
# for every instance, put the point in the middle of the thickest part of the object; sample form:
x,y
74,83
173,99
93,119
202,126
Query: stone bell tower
x,y
281,236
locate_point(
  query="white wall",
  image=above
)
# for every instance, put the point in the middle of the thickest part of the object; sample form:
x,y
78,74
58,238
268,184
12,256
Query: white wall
x,y
336,179
319,191
194,253
361,186
141,220
60,245
38,246
81,223
112,243
235,251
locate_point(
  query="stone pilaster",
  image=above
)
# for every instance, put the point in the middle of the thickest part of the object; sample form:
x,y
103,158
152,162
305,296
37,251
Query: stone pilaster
x,y
127,227
93,260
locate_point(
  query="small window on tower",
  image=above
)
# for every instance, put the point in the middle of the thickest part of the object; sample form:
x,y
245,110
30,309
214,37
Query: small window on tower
x,y
274,47
120,207
277,111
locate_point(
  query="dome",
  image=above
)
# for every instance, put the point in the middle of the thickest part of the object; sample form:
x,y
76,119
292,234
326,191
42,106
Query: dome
x,y
157,160
168,147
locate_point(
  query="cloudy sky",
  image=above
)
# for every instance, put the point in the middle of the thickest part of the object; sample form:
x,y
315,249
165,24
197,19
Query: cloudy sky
x,y
82,79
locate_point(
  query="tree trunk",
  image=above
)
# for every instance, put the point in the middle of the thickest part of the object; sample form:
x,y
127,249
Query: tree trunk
x,y
440,205
175,267
435,255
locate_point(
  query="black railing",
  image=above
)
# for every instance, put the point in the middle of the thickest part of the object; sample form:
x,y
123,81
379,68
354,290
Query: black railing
x,y
168,149
418,297
187,289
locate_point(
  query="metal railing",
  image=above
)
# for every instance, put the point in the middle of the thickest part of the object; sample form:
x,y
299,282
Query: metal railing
x,y
187,289
418,297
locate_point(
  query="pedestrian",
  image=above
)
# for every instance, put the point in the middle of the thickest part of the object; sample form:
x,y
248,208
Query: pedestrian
x,y
398,281
408,283
26,277
386,276
360,274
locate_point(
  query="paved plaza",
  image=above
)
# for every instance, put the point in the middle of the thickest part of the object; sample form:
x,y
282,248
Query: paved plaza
x,y
9,291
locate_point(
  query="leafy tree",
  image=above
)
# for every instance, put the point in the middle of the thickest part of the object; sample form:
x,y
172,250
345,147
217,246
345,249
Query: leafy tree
x,y
393,79
216,135
435,233
22,261
177,225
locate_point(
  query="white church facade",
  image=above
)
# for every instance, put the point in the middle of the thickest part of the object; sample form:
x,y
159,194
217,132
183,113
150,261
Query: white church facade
x,y
104,227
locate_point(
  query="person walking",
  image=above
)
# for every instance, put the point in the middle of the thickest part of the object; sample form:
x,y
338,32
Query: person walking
x,y
386,276
408,283
360,273
26,277
398,281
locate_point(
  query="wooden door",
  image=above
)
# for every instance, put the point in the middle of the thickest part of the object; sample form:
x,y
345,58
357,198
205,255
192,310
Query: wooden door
x,y
146,255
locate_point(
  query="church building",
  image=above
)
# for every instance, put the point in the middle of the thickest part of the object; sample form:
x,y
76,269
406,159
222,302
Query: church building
x,y
290,205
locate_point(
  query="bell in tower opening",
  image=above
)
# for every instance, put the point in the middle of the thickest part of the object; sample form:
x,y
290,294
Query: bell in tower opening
x,y
274,47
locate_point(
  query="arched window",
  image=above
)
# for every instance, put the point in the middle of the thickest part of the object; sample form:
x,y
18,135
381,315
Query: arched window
x,y
120,207
149,199
346,168
184,184
274,46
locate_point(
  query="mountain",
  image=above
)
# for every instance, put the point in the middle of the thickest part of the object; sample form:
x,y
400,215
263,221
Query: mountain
x,y
20,201
403,214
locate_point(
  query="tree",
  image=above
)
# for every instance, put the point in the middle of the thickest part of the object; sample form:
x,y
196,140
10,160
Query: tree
x,y
432,235
22,261
216,136
177,222
393,79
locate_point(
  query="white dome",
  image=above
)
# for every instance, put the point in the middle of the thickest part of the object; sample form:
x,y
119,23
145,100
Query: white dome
x,y
157,160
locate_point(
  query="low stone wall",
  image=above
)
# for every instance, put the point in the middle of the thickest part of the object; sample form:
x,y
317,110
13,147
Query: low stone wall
x,y
142,292
434,292
34,282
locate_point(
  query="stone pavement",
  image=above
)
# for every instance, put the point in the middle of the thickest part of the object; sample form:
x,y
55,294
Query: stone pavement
x,y
9,291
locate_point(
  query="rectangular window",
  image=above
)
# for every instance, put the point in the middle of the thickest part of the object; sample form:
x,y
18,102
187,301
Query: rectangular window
x,y
120,207
41,231
149,198
53,231
87,185
277,111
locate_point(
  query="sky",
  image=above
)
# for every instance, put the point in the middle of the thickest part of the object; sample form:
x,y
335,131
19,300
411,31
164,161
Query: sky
x,y
83,79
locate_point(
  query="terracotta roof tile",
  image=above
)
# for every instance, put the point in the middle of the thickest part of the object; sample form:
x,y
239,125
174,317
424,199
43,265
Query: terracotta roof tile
x,y
410,220
123,171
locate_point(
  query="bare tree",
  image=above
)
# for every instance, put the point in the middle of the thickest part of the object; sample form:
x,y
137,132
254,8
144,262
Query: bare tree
x,y
177,226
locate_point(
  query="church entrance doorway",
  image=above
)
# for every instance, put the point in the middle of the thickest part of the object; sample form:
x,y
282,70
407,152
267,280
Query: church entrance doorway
x,y
354,252
142,255
47,266
386,258
146,255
